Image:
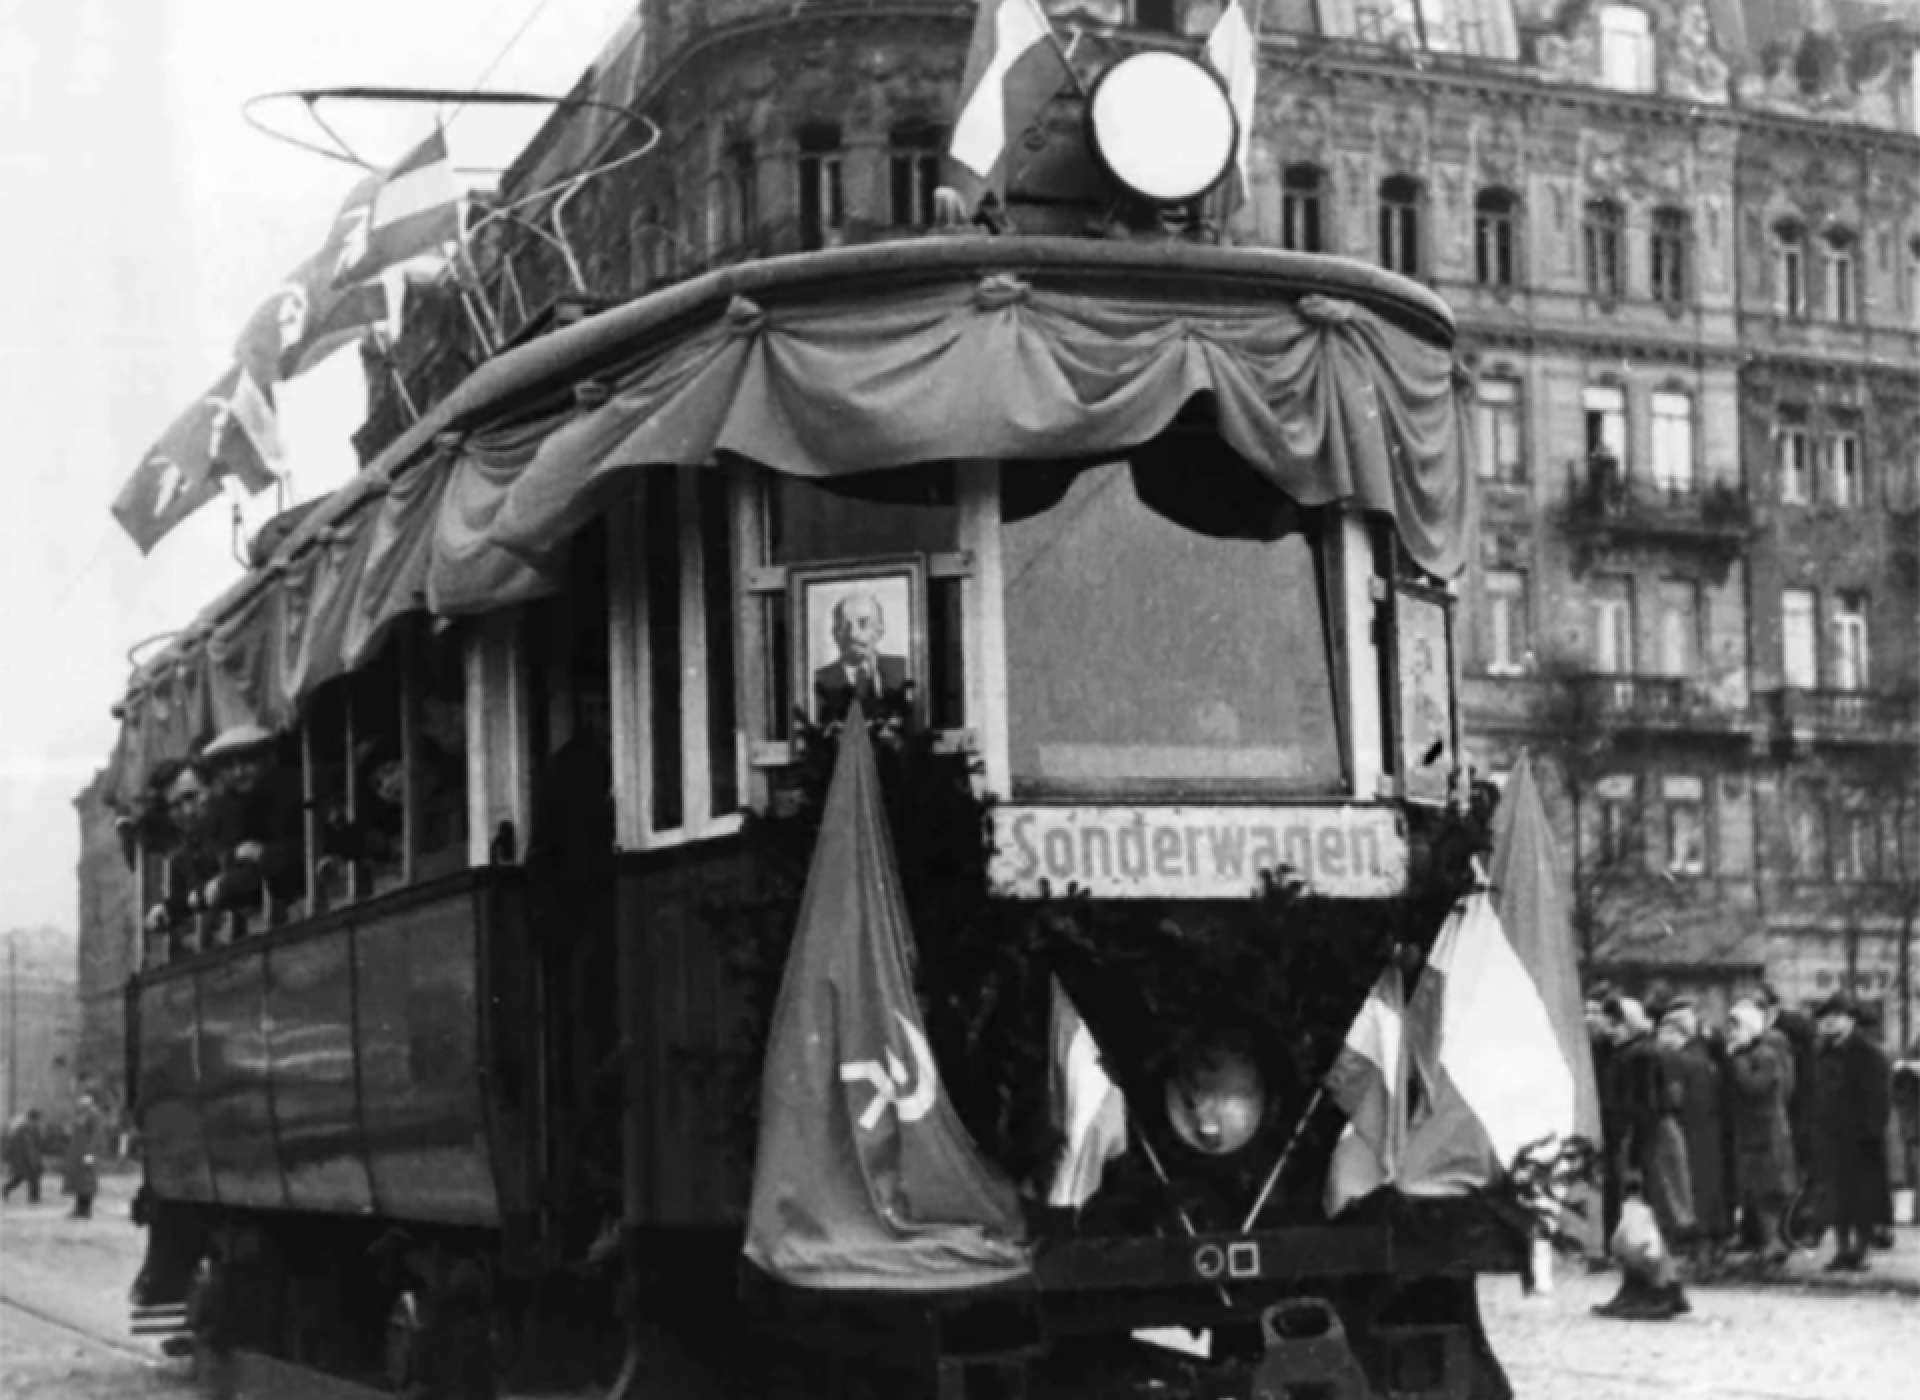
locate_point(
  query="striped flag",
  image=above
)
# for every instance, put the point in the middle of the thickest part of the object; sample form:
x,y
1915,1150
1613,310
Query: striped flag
x,y
412,210
231,430
1234,54
1013,70
1087,1107
1368,1080
1491,1072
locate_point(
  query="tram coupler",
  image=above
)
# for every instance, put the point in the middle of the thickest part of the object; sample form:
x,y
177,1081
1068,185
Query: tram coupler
x,y
1307,1356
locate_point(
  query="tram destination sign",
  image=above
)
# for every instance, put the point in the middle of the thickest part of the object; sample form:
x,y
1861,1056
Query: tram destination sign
x,y
1145,852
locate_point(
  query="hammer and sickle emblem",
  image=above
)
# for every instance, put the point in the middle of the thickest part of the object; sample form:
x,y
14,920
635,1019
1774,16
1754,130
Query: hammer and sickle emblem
x,y
169,487
890,1080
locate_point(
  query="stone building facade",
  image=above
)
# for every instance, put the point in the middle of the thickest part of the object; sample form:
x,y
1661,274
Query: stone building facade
x,y
1682,238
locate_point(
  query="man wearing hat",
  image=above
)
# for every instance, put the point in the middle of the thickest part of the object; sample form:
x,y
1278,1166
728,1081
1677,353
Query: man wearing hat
x,y
257,820
1695,1065
1852,1085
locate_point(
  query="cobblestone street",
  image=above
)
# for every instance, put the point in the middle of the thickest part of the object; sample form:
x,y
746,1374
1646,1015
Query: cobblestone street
x,y
1751,1343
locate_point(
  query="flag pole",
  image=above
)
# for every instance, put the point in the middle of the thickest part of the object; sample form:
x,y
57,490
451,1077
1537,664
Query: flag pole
x,y
385,352
1273,1177
1053,37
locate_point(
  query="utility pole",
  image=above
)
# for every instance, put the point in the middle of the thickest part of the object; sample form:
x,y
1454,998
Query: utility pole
x,y
13,1026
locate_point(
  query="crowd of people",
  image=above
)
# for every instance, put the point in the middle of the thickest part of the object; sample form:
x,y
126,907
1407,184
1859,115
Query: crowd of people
x,y
1738,1139
78,1142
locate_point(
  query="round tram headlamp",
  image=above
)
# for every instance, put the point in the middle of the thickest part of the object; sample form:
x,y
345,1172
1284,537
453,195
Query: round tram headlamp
x,y
1162,126
1216,1101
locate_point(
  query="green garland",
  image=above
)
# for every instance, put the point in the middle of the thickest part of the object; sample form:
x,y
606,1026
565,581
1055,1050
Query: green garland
x,y
1276,977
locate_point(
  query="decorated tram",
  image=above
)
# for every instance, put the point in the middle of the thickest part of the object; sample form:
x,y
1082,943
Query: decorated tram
x,y
837,820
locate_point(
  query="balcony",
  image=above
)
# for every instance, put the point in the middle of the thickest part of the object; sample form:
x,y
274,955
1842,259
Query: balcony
x,y
1804,717
1653,704
1607,508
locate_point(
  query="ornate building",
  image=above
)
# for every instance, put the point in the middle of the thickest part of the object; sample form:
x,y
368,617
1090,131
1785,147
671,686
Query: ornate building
x,y
1683,241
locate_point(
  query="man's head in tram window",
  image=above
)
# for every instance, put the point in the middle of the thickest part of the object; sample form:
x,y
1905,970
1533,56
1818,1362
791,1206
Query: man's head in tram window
x,y
187,800
240,757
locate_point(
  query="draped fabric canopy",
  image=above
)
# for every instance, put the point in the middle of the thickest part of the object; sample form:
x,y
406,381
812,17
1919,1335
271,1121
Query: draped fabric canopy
x,y
1315,379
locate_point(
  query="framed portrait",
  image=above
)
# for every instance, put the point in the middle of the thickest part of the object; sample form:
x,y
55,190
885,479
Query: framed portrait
x,y
858,629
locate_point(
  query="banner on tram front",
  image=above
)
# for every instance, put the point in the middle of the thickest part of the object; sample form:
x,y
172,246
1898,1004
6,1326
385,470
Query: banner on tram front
x,y
1160,852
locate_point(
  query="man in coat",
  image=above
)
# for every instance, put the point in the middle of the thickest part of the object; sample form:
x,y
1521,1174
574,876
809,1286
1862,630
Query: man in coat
x,y
1652,1146
1852,1087
1695,1066
26,1156
81,1169
1759,1086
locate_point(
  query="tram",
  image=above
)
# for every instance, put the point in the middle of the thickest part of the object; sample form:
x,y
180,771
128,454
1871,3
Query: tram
x,y
1137,550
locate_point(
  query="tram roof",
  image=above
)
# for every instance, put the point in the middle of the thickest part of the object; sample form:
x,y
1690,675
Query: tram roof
x,y
1330,378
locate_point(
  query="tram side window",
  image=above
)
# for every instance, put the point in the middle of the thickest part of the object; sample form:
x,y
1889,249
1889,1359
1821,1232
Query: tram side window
x,y
439,767
806,525
570,717
1145,659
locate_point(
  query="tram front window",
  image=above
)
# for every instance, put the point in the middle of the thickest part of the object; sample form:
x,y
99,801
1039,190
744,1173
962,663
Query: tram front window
x,y
1147,660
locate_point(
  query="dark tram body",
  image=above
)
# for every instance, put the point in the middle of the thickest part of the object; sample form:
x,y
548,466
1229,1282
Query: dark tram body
x,y
475,1079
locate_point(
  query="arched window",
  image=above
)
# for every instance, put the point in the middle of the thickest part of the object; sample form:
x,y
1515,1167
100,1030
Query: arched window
x,y
1302,196
1400,197
1626,48
823,210
1671,239
1494,220
1601,228
1790,268
915,168
1843,290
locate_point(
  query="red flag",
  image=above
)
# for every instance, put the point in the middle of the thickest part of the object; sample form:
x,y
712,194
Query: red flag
x,y
864,1177
229,431
1013,70
307,319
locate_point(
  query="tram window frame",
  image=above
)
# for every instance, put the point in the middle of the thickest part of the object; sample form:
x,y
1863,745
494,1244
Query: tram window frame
x,y
706,764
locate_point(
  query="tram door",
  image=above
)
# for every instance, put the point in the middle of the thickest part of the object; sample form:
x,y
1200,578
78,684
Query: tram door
x,y
569,861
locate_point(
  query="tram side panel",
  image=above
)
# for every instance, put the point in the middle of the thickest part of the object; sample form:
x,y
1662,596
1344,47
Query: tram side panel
x,y
236,1092
310,1042
167,1090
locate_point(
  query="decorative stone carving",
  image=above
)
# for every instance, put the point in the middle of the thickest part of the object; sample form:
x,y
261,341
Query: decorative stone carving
x,y
1403,139
1306,130
1497,144
1693,68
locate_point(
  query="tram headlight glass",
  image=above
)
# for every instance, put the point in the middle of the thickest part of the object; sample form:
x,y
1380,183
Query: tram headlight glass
x,y
1216,1102
1162,126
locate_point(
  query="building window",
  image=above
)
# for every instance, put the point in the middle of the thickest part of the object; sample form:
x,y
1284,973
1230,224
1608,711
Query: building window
x,y
1673,442
1605,410
1669,248
1161,15
1497,425
1507,629
1626,49
1856,855
1400,225
1600,232
1493,237
1844,484
1799,646
1850,642
1789,269
1611,602
915,168
1614,807
1842,293
1686,804
1913,282
823,212
742,175
1302,191
1794,453
1807,830
1679,627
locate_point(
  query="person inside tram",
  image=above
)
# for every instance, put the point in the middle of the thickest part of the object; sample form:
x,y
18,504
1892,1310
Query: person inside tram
x,y
257,817
192,858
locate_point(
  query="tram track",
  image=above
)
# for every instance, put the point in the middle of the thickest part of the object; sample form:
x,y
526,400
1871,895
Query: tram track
x,y
148,1357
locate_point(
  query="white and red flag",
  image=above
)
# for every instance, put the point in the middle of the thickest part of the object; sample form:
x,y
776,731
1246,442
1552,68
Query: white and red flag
x,y
1014,67
412,210
1487,1054
1088,1108
1369,1082
1233,51
231,430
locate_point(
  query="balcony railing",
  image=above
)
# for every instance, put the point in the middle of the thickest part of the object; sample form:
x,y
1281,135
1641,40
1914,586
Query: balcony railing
x,y
1654,702
1604,502
1858,716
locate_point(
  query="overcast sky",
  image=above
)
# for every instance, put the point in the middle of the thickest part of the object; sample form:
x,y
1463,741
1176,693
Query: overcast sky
x,y
146,221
